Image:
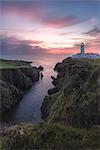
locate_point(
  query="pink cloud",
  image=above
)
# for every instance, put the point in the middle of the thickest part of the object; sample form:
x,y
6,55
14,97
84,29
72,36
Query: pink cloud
x,y
94,45
25,10
61,21
12,45
91,45
62,51
32,42
65,33
14,40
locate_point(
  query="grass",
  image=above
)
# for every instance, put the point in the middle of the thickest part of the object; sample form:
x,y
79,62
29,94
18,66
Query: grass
x,y
52,136
95,61
4,64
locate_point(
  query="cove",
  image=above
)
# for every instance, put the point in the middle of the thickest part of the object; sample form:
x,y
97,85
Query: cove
x,y
29,108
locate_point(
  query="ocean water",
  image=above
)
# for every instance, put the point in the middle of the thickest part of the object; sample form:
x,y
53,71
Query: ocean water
x,y
29,108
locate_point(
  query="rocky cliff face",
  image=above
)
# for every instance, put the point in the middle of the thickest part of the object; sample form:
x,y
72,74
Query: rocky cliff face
x,y
9,95
13,83
32,73
75,100
15,77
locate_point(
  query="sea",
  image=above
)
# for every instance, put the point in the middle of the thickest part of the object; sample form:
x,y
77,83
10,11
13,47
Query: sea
x,y
28,110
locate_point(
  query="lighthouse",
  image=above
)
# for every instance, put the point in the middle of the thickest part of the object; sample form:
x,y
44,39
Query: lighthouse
x,y
82,54
82,48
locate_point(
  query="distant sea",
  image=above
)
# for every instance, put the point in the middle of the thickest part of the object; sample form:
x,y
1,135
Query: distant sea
x,y
37,60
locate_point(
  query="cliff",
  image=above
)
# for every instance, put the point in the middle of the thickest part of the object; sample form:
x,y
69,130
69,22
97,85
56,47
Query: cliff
x,y
9,95
15,78
22,78
70,112
75,100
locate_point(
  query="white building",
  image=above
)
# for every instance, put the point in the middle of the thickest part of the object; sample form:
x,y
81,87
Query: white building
x,y
82,54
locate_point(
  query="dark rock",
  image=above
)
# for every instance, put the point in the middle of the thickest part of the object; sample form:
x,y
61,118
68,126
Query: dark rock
x,y
9,96
52,91
58,67
16,77
40,68
32,73
13,82
75,100
53,78
41,75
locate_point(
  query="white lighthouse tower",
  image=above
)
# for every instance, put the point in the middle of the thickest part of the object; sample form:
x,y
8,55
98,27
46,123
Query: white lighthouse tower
x,y
82,48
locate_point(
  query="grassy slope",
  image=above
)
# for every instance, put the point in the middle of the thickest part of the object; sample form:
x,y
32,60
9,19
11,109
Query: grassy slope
x,y
50,137
13,64
95,61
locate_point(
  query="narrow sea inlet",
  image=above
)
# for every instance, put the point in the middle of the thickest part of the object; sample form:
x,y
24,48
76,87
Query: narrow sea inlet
x,y
29,108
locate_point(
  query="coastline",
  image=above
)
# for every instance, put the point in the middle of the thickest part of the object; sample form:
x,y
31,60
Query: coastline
x,y
68,120
75,99
15,78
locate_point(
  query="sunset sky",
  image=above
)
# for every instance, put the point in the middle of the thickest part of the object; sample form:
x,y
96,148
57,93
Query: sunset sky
x,y
46,27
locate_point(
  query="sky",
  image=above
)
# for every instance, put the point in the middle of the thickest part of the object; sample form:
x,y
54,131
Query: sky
x,y
49,27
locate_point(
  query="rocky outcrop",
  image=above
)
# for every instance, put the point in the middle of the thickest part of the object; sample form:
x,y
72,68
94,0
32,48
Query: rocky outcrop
x,y
75,100
16,77
40,68
13,83
32,73
9,95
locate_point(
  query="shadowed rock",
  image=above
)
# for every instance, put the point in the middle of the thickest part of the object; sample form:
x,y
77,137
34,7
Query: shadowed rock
x,y
15,78
75,100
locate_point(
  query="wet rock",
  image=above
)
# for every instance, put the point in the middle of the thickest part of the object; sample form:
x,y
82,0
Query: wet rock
x,y
53,78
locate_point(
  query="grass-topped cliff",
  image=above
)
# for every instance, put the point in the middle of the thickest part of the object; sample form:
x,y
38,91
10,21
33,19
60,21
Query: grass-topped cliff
x,y
71,112
4,64
15,77
75,100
